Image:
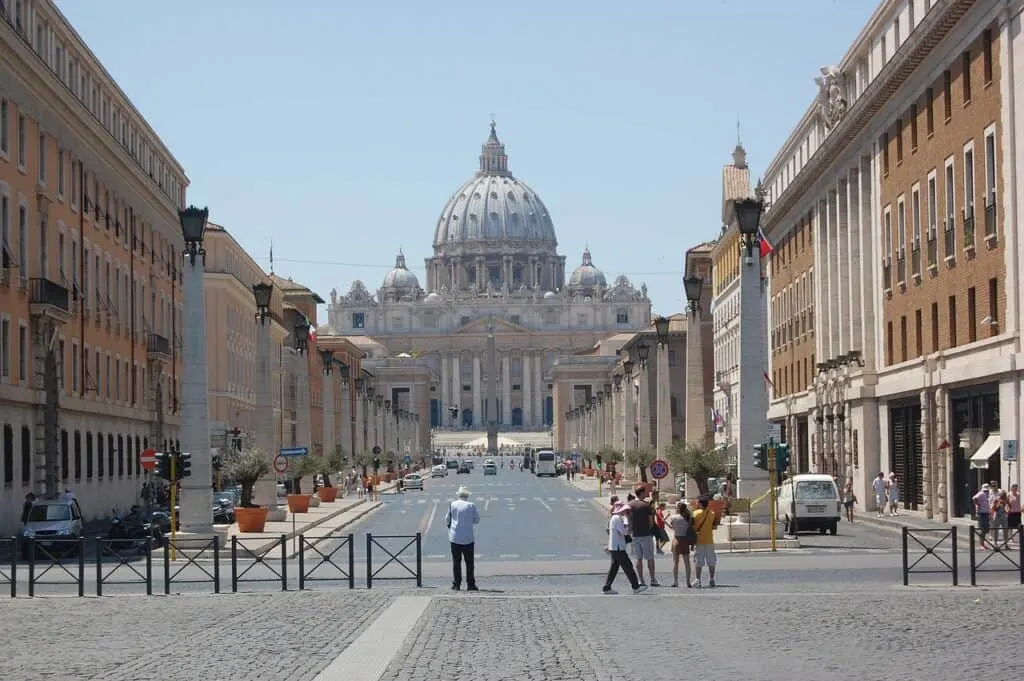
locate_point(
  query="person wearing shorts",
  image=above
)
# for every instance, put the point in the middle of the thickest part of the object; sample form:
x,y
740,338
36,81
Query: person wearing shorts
x,y
641,528
679,522
982,504
704,551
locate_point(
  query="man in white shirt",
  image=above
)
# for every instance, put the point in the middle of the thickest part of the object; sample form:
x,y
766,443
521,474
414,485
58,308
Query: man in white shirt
x,y
880,487
462,515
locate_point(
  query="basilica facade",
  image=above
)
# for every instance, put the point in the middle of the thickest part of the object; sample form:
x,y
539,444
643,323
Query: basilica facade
x,y
495,267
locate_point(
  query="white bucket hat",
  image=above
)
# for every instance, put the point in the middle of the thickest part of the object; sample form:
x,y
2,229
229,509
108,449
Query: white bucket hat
x,y
463,492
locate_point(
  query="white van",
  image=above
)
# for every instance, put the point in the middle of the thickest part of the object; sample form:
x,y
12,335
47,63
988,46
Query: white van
x,y
809,502
545,463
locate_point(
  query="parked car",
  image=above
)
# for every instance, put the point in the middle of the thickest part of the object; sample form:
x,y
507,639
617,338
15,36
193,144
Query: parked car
x,y
413,481
464,468
51,523
439,471
490,468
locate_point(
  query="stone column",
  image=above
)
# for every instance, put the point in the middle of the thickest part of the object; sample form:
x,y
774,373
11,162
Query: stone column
x,y
527,391
446,381
359,427
538,393
928,442
698,420
664,412
629,413
345,419
643,408
456,389
478,398
616,414
944,455
303,422
750,406
265,491
197,493
328,437
506,390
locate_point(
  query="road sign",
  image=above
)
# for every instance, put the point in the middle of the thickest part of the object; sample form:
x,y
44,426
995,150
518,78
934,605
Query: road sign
x,y
1009,450
294,451
148,459
280,463
775,432
376,449
659,469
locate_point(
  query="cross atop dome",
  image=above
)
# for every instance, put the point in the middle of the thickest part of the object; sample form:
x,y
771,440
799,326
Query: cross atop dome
x,y
493,160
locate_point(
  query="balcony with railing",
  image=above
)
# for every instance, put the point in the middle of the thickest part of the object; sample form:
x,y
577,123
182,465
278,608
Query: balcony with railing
x,y
990,219
933,250
969,228
158,347
950,241
48,299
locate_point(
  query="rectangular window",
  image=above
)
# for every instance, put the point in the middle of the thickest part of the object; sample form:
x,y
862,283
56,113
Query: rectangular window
x,y
933,207
950,194
6,256
22,353
918,334
915,209
885,153
75,386
993,306
106,377
972,315
935,327
26,455
60,257
899,141
887,232
969,182
889,354
903,338
22,241
901,226
990,168
965,65
358,320
5,141
986,42
622,317
952,321
913,127
42,158
60,172
929,114
5,349
21,141
61,354
947,94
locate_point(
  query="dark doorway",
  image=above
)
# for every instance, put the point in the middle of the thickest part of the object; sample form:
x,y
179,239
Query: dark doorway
x,y
974,407
905,451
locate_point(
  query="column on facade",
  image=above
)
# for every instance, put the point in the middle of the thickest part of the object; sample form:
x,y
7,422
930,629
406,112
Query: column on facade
x,y
928,443
527,391
664,402
328,436
265,490
345,419
864,273
851,266
456,390
446,385
834,293
358,436
478,400
944,465
538,394
609,420
506,389
842,272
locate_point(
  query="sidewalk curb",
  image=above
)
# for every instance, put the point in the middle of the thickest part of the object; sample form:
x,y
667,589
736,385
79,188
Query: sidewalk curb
x,y
269,545
360,511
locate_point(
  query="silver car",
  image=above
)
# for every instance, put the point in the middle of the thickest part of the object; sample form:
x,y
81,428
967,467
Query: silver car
x,y
51,523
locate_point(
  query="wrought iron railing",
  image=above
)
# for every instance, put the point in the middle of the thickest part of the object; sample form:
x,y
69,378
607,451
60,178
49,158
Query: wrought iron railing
x,y
45,292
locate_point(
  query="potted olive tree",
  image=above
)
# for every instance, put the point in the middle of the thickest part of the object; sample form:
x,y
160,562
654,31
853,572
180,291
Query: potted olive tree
x,y
328,466
246,468
297,501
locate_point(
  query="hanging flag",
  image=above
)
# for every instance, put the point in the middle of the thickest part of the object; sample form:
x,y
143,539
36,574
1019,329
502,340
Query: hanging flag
x,y
312,335
766,246
769,386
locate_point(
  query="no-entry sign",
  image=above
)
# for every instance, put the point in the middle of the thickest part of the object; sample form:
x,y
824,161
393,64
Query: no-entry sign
x,y
148,459
659,469
280,463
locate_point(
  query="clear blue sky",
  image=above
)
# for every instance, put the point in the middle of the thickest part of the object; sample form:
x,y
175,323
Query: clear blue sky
x,y
337,129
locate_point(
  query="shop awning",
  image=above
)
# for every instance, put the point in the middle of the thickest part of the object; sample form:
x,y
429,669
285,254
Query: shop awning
x,y
988,448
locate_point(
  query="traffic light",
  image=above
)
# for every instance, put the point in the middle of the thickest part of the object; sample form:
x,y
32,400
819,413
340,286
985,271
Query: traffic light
x,y
184,465
761,457
782,457
163,466
236,439
598,462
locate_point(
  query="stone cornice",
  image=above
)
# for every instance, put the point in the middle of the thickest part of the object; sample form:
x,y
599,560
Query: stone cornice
x,y
935,26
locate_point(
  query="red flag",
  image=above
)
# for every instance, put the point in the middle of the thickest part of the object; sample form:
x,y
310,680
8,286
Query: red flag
x,y
769,386
766,246
312,335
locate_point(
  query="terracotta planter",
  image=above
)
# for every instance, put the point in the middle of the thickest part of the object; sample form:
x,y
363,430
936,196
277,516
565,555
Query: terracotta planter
x,y
251,519
327,494
298,503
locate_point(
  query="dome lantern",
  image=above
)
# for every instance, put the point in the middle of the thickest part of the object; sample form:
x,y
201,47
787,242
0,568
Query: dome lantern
x,y
493,159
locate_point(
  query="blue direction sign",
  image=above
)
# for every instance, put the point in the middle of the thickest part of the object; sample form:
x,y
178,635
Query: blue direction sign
x,y
295,451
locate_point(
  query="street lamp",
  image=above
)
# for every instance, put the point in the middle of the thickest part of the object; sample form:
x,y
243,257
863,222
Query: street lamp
x,y
327,356
643,351
344,373
302,335
693,286
262,292
748,218
193,227
387,406
617,380
627,366
661,329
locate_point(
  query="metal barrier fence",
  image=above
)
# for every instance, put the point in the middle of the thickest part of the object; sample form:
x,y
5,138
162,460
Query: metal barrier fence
x,y
123,566
1010,559
394,557
259,557
346,573
929,549
51,552
9,571
192,550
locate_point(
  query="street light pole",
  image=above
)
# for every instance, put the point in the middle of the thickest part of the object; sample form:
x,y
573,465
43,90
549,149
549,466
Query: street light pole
x,y
265,490
303,427
664,390
629,417
197,492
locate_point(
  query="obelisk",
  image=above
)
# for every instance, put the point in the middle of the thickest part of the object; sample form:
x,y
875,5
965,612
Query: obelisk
x,y
491,412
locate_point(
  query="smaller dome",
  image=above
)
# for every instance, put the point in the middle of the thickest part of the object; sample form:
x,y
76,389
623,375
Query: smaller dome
x,y
432,297
586,275
401,278
549,295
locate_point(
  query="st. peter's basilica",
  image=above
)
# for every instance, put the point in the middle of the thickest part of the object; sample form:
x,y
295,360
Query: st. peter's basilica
x,y
495,262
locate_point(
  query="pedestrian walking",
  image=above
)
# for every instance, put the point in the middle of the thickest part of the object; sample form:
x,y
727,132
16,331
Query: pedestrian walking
x,y
660,533
704,552
849,499
1013,510
894,495
641,529
618,540
683,537
881,493
461,518
982,505
998,513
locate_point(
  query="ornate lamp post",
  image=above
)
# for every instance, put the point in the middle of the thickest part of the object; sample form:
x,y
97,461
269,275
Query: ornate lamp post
x,y
197,493
265,491
664,391
303,426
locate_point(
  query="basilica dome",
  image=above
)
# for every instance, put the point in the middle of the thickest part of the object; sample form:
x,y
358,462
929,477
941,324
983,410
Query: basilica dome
x,y
496,209
587,275
401,280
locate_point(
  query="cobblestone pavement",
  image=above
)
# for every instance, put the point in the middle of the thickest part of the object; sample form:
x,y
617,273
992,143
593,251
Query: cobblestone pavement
x,y
270,637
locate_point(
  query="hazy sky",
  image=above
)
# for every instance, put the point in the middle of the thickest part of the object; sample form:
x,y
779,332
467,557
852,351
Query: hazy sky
x,y
338,129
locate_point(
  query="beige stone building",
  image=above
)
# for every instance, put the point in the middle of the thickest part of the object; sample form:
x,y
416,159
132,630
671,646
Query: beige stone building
x,y
90,286
900,179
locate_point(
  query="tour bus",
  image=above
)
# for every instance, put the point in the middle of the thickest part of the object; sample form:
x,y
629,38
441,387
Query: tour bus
x,y
545,463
